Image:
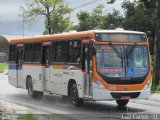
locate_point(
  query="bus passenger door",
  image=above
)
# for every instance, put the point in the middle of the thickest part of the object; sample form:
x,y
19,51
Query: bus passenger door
x,y
87,57
46,62
19,66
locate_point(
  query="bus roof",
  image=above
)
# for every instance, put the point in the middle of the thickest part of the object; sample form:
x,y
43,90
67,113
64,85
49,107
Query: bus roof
x,y
117,31
69,35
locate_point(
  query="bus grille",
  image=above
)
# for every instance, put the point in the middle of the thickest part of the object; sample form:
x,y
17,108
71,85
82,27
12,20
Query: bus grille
x,y
131,95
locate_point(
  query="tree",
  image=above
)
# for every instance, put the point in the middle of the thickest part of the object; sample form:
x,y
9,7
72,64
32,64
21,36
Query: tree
x,y
55,12
89,21
156,75
112,20
133,19
136,14
150,4
84,18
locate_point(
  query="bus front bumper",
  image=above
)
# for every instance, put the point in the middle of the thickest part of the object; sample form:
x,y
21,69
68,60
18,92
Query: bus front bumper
x,y
104,94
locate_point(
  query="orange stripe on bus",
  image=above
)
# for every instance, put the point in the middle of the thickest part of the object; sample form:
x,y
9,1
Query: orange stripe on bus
x,y
54,37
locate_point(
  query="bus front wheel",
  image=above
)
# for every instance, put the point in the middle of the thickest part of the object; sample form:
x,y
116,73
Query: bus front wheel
x,y
122,103
76,101
31,92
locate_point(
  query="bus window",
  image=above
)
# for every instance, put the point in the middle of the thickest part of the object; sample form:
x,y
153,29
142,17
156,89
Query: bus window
x,y
12,51
37,52
28,52
60,51
74,51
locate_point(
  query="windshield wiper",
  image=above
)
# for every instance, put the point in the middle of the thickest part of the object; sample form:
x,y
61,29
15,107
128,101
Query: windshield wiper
x,y
128,53
117,52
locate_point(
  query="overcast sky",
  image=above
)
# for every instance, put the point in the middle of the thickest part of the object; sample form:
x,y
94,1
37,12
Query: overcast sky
x,y
11,23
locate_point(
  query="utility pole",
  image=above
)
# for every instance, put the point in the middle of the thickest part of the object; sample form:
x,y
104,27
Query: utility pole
x,y
23,10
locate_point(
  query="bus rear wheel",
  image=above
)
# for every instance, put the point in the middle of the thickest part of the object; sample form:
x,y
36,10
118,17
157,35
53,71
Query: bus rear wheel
x,y
31,92
122,103
76,101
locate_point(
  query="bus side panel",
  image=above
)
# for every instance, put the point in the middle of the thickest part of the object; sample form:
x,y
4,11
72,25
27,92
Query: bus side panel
x,y
57,84
60,77
35,72
12,76
76,75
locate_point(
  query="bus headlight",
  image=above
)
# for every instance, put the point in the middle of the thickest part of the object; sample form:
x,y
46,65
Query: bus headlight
x,y
100,85
148,85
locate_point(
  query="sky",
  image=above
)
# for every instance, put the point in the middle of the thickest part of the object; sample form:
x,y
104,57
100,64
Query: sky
x,y
12,24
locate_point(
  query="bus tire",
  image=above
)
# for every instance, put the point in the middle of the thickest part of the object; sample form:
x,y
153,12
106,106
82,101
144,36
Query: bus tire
x,y
31,92
122,103
76,101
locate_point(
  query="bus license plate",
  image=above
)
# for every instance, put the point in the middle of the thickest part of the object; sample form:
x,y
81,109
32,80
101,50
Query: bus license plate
x,y
125,97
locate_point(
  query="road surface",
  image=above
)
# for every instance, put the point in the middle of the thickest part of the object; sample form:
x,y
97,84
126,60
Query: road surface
x,y
56,105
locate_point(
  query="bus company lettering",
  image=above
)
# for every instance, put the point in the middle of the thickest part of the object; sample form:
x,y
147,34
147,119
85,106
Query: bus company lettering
x,y
111,70
58,75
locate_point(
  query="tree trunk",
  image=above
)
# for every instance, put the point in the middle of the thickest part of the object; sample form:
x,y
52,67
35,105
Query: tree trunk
x,y
48,21
156,76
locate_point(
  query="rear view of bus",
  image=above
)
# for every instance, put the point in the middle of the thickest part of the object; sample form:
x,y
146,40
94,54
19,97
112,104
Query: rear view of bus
x,y
122,69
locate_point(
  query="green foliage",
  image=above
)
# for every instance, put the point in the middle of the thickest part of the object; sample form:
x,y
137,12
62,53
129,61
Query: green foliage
x,y
88,21
3,66
112,20
137,17
96,20
1,107
29,116
149,4
158,87
153,88
56,13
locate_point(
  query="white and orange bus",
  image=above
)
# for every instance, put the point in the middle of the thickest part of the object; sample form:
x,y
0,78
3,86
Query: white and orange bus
x,y
90,65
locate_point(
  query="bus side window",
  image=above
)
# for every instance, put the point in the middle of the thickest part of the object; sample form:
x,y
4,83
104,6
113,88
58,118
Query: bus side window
x,y
60,51
28,52
74,52
12,53
37,52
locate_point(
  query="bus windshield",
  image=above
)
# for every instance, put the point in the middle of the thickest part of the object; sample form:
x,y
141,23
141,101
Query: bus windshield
x,y
122,60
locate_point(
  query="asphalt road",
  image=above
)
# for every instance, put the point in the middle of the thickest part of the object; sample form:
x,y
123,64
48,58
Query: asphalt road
x,y
56,105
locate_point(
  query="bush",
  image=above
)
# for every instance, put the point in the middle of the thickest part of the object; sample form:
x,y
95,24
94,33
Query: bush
x,y
1,107
158,87
28,116
3,66
153,88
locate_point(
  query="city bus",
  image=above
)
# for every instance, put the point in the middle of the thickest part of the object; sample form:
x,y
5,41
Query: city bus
x,y
95,65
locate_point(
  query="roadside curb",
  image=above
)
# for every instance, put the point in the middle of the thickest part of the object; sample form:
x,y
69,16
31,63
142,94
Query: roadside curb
x,y
23,110
12,111
34,108
4,73
155,97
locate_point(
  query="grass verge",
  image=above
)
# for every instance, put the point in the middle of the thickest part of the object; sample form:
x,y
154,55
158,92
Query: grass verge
x,y
1,107
28,116
3,66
